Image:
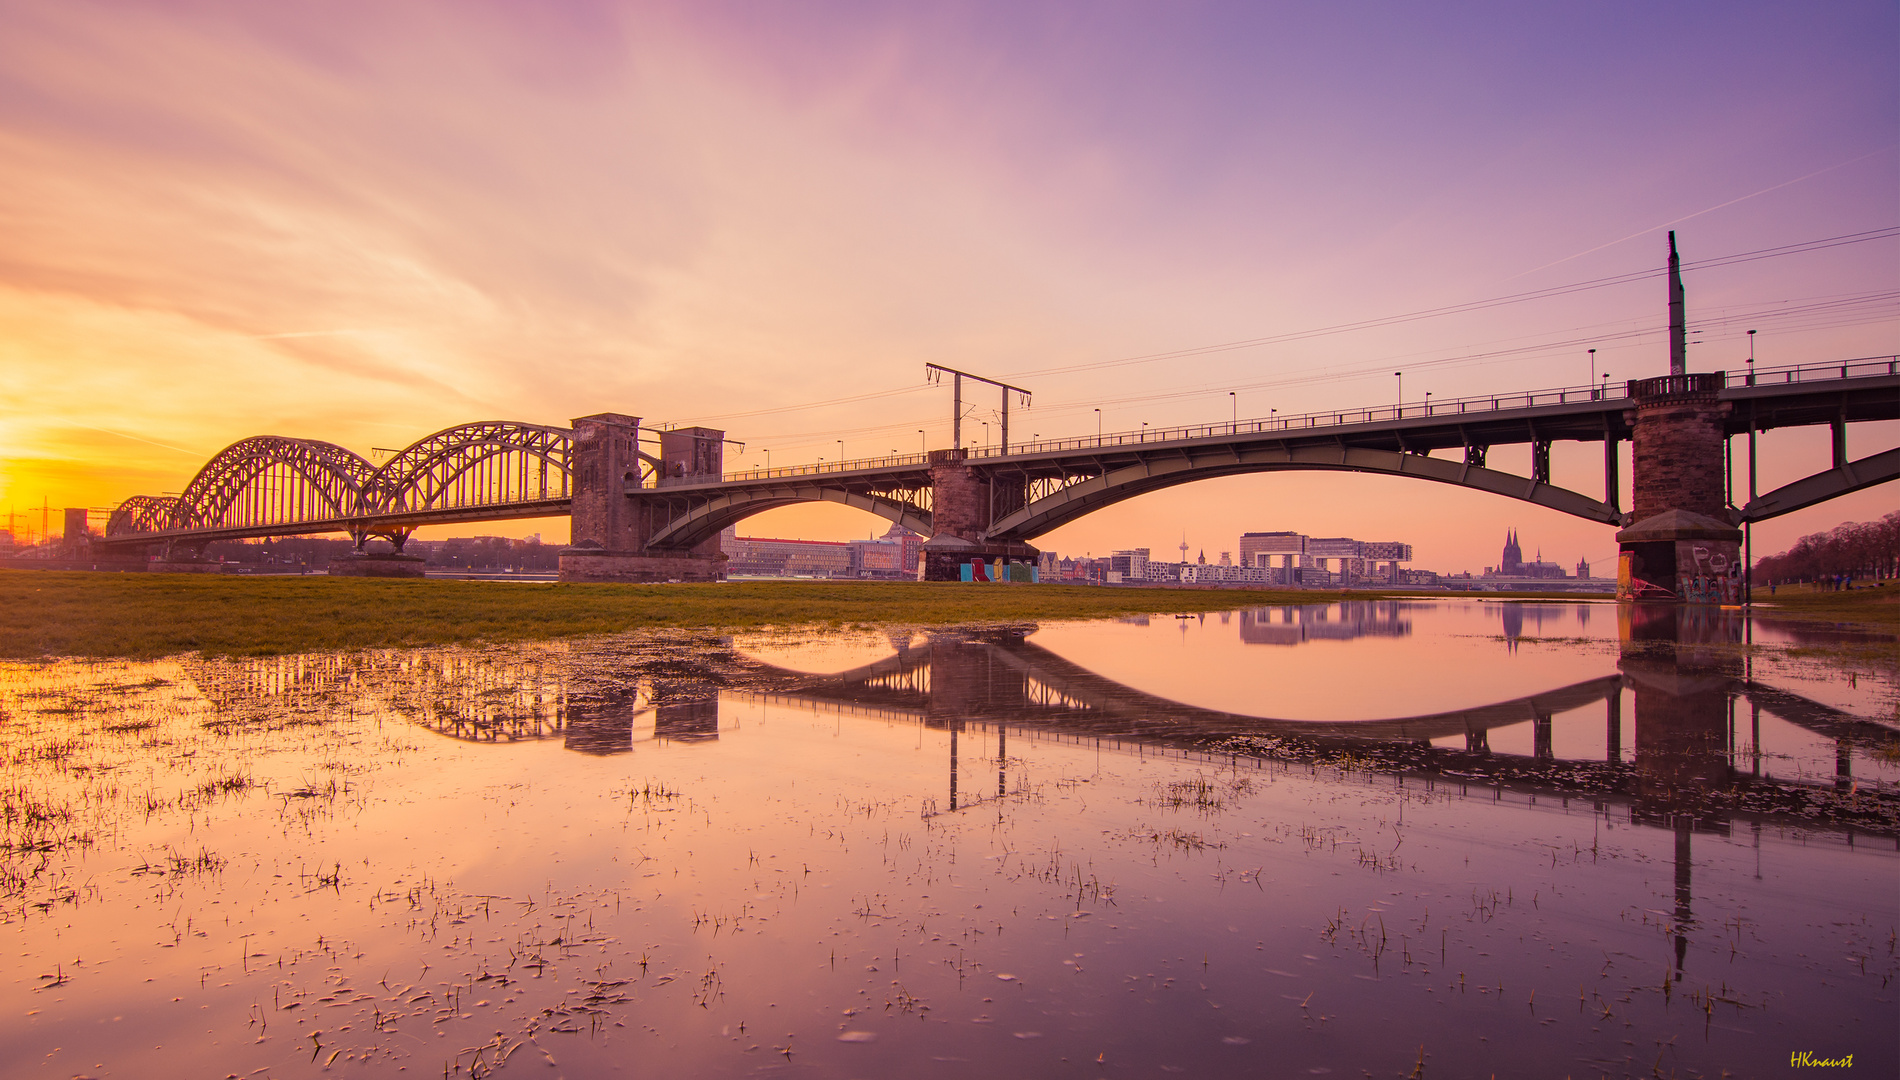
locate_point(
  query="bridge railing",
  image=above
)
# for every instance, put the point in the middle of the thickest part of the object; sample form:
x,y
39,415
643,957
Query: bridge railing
x,y
1799,373
1428,409
1431,408
892,461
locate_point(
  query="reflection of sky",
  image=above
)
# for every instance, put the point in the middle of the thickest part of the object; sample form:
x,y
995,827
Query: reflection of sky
x,y
1451,659
1384,660
820,653
799,867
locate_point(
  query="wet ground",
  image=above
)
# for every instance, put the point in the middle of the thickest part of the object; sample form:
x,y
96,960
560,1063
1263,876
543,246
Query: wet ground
x,y
1391,839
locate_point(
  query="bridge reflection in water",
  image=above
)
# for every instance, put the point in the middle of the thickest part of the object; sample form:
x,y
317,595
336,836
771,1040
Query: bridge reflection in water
x,y
1692,764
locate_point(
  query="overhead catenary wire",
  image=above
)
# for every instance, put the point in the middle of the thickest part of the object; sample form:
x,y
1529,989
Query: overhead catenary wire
x,y
1778,251
1816,313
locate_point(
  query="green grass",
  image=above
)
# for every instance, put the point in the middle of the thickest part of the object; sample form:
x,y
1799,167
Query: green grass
x,y
1869,608
48,613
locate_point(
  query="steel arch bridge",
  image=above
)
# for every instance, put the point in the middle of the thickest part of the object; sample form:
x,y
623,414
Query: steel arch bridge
x,y
498,470
270,485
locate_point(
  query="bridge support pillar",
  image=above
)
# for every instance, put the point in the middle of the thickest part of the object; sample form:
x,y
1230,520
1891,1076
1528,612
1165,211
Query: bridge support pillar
x,y
610,524
1681,546
962,505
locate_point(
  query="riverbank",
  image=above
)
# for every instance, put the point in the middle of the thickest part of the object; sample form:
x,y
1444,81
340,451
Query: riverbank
x,y
145,615
139,615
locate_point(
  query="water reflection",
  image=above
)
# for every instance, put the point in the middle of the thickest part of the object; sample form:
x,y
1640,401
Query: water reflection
x,y
851,853
1292,625
1679,676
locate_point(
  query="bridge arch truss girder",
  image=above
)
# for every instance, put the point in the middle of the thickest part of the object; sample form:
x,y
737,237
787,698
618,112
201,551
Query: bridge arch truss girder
x,y
487,463
143,513
273,480
705,518
1164,470
1846,477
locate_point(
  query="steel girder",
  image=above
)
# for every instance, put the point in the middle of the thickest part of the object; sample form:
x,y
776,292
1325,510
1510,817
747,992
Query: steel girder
x,y
143,513
1805,492
459,467
320,486
700,518
329,483
1181,466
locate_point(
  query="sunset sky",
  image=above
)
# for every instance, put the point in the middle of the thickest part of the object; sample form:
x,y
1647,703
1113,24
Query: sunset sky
x,y
364,222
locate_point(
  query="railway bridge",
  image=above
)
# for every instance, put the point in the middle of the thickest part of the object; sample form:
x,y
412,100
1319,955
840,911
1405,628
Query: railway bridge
x,y
649,503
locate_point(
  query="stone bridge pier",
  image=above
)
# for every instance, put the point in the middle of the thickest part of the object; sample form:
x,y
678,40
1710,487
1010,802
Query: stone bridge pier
x,y
963,503
613,516
1680,545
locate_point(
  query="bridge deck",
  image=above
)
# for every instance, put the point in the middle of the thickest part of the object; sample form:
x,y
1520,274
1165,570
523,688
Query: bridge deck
x,y
1803,395
499,470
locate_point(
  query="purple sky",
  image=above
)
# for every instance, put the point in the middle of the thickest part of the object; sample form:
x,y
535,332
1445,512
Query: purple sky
x,y
365,222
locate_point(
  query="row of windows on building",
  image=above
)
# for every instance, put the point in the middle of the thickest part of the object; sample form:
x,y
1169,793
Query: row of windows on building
x,y
892,556
1286,559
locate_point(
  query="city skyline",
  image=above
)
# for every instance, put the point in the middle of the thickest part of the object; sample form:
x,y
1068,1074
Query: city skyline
x,y
365,223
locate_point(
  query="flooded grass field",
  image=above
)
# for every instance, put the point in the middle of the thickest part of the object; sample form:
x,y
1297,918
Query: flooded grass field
x,y
1367,839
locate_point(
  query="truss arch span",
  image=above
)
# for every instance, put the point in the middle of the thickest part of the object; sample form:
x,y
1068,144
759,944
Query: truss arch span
x,y
483,464
143,514
708,518
1085,496
269,480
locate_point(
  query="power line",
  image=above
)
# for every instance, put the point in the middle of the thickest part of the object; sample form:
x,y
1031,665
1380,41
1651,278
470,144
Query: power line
x,y
1343,328
1475,305
1816,313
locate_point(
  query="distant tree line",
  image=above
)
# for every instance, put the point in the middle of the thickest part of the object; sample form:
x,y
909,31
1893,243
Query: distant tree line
x,y
1869,549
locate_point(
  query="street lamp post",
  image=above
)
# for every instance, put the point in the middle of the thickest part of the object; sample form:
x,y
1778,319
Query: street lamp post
x,y
1233,397
1098,425
1400,376
923,442
1593,367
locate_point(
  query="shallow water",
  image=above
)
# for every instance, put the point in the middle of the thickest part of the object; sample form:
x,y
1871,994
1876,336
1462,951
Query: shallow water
x,y
1535,840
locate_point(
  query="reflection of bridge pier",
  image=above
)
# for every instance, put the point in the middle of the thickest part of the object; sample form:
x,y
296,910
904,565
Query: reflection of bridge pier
x,y
1681,664
682,711
967,679
1682,667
